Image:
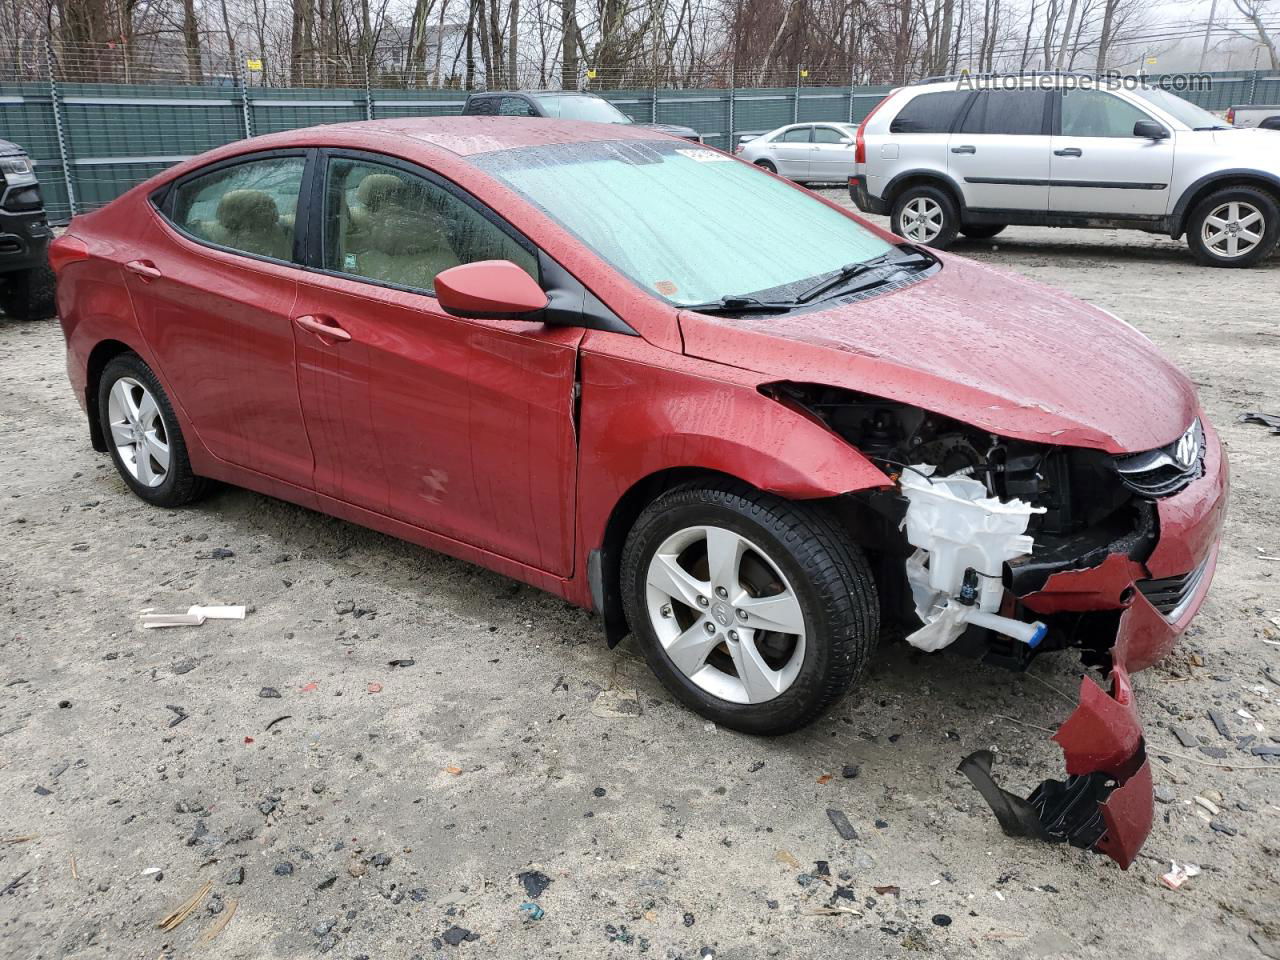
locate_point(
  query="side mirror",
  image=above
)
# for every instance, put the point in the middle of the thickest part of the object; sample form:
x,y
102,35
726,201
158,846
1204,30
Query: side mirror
x,y
1150,130
846,141
489,289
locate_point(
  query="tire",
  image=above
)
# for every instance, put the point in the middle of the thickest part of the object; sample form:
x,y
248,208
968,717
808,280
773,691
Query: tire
x,y
28,295
174,484
982,231
766,165
1221,222
796,557
925,214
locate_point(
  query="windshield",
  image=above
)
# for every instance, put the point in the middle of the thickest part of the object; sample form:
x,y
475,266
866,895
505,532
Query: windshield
x,y
582,108
688,224
1184,111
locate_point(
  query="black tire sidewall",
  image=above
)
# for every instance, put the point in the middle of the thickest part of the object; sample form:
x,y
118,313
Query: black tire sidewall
x,y
1265,203
794,707
170,492
950,214
982,231
766,165
28,294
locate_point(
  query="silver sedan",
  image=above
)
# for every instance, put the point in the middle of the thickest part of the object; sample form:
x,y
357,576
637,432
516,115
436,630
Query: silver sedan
x,y
805,152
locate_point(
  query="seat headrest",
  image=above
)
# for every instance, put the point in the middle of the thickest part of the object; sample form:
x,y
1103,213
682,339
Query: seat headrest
x,y
247,210
380,190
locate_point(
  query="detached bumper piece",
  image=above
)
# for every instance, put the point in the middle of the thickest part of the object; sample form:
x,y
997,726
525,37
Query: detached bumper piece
x,y
1106,802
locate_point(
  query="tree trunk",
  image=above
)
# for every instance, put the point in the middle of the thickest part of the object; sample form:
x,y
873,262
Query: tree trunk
x,y
513,40
569,44
191,40
1066,34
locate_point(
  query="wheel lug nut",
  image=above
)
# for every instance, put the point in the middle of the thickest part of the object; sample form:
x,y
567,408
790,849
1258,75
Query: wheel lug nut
x,y
709,627
742,614
733,634
721,592
703,601
666,611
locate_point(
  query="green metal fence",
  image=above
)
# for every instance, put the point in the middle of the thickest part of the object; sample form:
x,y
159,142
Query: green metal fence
x,y
91,142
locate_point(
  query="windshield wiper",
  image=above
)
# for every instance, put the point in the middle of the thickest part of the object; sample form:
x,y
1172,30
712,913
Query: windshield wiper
x,y
1216,127
740,304
851,270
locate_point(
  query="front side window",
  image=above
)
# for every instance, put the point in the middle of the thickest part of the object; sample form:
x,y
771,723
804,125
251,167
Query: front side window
x,y
578,107
394,227
830,135
1185,112
795,135
930,112
1096,113
249,207
515,107
684,222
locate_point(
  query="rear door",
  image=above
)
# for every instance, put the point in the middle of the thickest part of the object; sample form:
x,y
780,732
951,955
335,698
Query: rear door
x,y
461,427
214,286
790,151
1000,153
916,140
831,153
1099,166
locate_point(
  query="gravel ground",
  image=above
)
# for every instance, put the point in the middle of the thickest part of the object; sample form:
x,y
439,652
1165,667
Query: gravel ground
x,y
394,810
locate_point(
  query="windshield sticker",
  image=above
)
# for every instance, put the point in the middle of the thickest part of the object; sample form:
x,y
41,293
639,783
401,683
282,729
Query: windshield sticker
x,y
665,287
705,156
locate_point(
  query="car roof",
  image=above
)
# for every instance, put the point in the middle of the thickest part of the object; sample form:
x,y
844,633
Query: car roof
x,y
538,93
464,136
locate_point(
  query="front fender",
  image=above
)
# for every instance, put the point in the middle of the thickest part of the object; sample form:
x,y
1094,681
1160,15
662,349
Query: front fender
x,y
639,418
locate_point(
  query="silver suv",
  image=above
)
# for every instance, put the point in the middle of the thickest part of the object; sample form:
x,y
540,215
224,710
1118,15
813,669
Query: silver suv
x,y
976,154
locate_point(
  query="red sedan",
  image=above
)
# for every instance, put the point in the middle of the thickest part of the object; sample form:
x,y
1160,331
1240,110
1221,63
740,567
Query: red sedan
x,y
728,415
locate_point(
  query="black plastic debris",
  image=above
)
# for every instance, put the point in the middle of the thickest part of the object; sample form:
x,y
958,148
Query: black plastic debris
x,y
842,824
534,882
455,935
941,920
401,662
1265,419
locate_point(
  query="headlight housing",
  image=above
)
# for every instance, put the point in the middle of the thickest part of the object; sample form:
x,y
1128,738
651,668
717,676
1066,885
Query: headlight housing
x,y
17,171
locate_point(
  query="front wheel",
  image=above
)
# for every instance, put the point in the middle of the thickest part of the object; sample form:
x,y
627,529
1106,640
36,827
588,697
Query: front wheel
x,y
766,165
925,215
28,295
756,612
1234,227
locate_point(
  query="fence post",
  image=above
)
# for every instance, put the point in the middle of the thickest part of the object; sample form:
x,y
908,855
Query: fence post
x,y
1253,88
853,76
246,113
733,92
795,102
56,99
368,94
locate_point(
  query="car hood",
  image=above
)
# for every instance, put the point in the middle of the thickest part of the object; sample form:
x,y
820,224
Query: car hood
x,y
672,128
1257,147
980,345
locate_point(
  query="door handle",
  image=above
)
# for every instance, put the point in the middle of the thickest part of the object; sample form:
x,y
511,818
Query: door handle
x,y
1069,152
967,148
145,269
323,327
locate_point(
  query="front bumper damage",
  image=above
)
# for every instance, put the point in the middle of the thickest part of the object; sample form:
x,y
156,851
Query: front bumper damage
x,y
1106,802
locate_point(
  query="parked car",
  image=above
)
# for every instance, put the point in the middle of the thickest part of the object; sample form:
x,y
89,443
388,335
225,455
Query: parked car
x,y
1255,115
561,105
804,152
951,157
26,282
564,352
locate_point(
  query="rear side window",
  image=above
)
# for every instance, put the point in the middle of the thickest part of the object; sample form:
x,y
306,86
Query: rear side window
x,y
798,135
482,106
250,207
1096,113
930,113
515,107
391,226
1008,112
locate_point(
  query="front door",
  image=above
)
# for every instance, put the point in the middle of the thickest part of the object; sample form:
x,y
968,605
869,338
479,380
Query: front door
x,y
1000,154
214,289
461,427
790,152
1099,166
831,155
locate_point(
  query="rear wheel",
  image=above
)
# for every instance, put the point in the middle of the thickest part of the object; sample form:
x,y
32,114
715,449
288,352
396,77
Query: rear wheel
x,y
756,612
28,295
143,436
1234,227
925,214
767,165
982,231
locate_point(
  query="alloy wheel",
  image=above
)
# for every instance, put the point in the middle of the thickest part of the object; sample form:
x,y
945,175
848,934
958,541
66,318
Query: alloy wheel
x,y
725,614
921,219
1233,229
138,432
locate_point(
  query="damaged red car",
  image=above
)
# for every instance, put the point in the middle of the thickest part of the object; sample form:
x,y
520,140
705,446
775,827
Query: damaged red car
x,y
728,415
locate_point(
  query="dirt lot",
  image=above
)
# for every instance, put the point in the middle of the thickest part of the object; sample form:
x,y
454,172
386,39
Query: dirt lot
x,y
372,824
